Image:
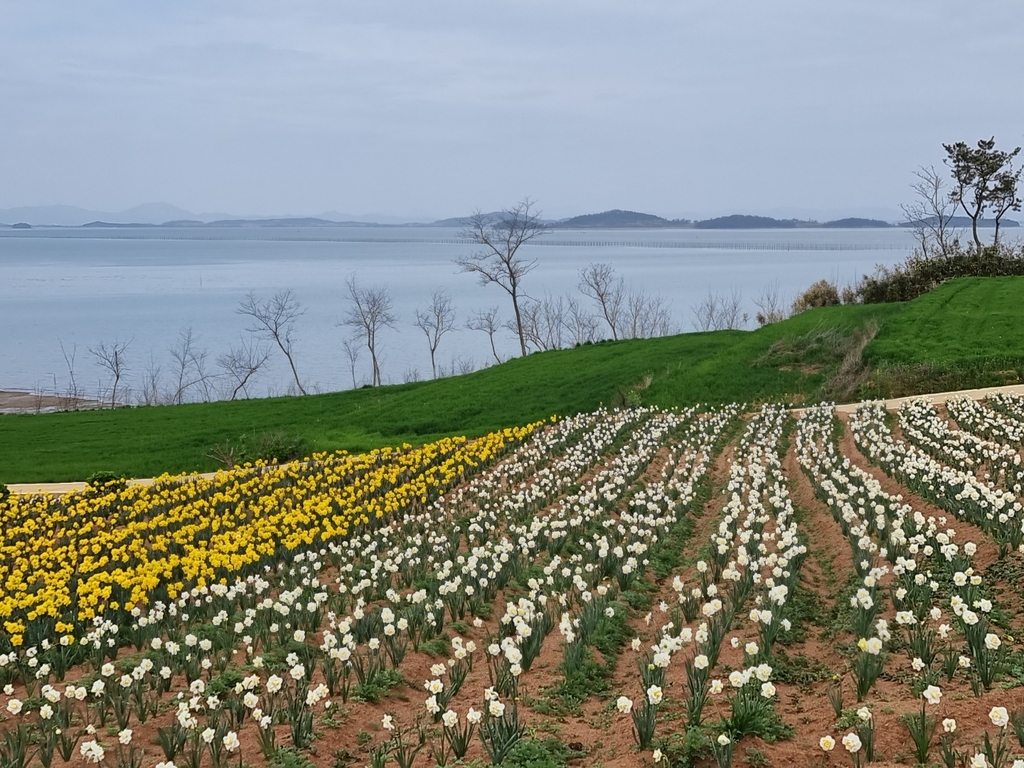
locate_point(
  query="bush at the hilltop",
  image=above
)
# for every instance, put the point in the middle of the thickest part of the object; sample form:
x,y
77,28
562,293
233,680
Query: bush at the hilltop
x,y
920,274
820,294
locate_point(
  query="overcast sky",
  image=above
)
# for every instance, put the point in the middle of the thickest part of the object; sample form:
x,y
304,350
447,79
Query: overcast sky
x,y
430,108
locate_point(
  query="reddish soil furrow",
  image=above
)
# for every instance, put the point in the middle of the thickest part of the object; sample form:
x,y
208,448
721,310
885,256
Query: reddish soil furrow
x,y
825,538
987,549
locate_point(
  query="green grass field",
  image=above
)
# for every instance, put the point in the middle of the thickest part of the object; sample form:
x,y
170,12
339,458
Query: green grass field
x,y
969,322
976,319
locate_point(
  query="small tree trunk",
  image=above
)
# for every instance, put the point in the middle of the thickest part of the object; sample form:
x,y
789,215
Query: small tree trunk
x,y
376,368
295,373
519,322
494,351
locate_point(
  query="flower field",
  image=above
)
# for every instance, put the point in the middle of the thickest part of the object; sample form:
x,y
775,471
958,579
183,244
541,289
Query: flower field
x,y
708,586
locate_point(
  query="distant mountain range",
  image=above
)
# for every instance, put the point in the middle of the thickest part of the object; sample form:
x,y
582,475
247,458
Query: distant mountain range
x,y
634,220
73,216
165,215
160,213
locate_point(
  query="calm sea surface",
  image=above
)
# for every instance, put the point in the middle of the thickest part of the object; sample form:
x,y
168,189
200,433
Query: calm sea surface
x,y
84,287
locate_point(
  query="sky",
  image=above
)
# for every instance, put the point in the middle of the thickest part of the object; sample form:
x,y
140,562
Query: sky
x,y
431,108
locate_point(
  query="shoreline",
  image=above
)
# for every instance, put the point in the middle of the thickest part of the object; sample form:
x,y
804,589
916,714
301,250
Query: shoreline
x,y
20,401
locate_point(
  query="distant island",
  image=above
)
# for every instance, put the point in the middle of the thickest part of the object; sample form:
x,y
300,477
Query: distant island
x,y
613,219
616,218
621,219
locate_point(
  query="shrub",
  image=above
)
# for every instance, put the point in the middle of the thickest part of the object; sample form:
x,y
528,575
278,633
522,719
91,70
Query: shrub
x,y
547,753
274,447
106,480
289,757
920,274
820,294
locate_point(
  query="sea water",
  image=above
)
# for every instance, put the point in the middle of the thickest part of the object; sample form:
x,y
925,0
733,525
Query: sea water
x,y
80,287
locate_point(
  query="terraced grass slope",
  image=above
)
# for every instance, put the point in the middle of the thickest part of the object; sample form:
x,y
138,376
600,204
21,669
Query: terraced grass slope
x,y
793,360
967,333
975,319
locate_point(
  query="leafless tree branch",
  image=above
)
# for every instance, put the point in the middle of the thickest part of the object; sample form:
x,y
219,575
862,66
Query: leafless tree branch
x,y
274,320
930,215
770,305
499,261
370,311
189,367
607,290
242,364
73,394
352,348
488,322
111,358
645,316
718,312
435,321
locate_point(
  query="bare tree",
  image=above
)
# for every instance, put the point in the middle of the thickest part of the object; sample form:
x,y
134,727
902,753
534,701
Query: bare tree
x,y
369,313
73,394
769,305
243,363
39,397
435,321
732,316
274,320
718,312
351,347
488,322
600,283
111,358
203,378
189,367
499,261
149,394
542,322
531,321
580,324
705,314
646,316
930,215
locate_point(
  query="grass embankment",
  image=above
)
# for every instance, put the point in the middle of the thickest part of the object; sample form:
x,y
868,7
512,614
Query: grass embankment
x,y
797,359
967,333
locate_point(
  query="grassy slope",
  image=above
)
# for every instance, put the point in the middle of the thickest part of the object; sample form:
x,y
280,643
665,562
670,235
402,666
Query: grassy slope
x,y
973,320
